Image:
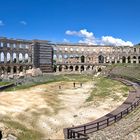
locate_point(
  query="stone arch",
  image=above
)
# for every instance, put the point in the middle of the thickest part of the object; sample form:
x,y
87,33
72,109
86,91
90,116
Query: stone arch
x,y
14,69
129,59
27,68
2,57
71,68
101,59
20,57
60,68
8,69
21,69
60,58
26,58
82,59
54,57
76,68
14,57
66,67
82,68
8,57
134,59
123,59
88,67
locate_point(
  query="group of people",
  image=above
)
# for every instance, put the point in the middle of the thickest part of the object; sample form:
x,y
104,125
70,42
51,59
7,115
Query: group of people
x,y
74,85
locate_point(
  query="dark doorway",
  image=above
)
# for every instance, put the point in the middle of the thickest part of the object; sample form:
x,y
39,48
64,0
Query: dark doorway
x,y
82,68
101,59
123,59
82,59
76,68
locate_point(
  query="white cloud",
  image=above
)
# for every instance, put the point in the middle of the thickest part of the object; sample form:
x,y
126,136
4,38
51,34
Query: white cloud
x,y
90,39
87,37
109,40
23,22
1,23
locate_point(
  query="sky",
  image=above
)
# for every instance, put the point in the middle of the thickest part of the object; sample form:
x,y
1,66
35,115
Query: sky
x,y
103,22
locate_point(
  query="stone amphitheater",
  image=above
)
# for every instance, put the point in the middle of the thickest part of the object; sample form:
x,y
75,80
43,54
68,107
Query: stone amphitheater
x,y
21,56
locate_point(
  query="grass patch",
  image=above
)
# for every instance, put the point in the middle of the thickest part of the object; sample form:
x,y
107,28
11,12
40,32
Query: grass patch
x,y
127,71
105,87
4,83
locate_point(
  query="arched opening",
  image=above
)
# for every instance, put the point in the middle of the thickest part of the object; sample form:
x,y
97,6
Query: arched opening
x,y
15,69
101,59
60,58
82,68
54,68
60,68
54,57
118,61
2,57
8,57
66,67
8,69
129,59
82,59
88,67
26,68
21,69
65,58
14,58
20,57
71,68
26,58
123,59
76,68
134,59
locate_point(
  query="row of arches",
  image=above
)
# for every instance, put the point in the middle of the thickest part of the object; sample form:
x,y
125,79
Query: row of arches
x,y
129,59
14,57
13,69
97,59
78,68
95,49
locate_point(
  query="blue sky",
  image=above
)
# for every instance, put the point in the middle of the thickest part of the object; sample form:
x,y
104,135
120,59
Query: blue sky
x,y
51,19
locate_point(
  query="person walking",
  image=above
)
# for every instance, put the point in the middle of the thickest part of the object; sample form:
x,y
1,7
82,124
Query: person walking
x,y
74,84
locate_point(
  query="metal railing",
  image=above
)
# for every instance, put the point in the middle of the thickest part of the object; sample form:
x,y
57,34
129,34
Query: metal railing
x,y
83,130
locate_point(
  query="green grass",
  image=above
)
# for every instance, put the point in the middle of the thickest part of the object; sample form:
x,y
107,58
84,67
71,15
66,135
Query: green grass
x,y
4,83
128,71
105,87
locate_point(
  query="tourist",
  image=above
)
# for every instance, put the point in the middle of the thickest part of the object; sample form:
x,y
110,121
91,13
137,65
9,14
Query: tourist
x,y
74,84
80,84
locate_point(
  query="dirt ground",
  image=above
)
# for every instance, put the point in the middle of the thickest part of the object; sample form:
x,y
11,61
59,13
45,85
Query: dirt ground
x,y
48,109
